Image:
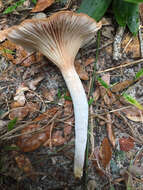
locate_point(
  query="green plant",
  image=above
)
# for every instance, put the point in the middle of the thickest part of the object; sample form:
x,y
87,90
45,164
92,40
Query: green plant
x,y
126,12
13,7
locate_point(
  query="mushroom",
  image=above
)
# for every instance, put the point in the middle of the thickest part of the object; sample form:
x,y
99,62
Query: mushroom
x,y
59,37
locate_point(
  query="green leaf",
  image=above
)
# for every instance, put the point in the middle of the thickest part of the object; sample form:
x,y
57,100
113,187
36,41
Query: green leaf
x,y
132,101
13,7
90,101
120,9
133,18
7,51
103,83
134,1
7,148
67,97
139,74
11,124
34,1
94,8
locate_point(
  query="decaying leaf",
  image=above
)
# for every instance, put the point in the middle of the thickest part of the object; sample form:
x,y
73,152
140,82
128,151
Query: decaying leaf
x,y
81,71
25,165
134,114
96,94
89,61
122,85
126,144
131,45
20,113
49,94
56,140
32,140
103,91
42,5
19,98
105,152
110,131
16,53
32,84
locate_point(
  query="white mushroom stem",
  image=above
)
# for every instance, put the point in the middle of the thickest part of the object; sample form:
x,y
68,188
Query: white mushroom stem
x,y
81,116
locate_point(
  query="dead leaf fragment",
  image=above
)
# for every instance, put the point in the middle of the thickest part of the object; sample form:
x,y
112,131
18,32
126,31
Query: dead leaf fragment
x,y
30,141
89,61
122,85
42,5
134,114
81,71
32,84
105,152
126,144
20,113
25,165
131,45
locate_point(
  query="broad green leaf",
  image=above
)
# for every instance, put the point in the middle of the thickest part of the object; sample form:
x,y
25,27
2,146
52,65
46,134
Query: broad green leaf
x,y
11,124
139,74
134,1
7,148
133,17
103,83
132,101
94,8
120,9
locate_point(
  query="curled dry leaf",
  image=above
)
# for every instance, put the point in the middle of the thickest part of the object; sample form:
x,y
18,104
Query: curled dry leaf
x,y
105,152
42,5
20,113
110,131
122,85
32,140
134,114
81,71
25,165
126,144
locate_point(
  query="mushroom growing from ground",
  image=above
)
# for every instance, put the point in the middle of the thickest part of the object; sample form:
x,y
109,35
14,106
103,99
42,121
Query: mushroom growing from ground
x,y
59,38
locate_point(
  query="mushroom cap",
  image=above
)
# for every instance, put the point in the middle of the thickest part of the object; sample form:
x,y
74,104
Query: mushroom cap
x,y
58,37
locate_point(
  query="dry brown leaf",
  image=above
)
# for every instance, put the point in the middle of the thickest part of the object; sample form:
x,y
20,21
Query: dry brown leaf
x,y
30,142
19,55
81,71
141,11
89,61
32,84
96,94
103,91
47,115
3,34
67,131
19,98
122,85
134,114
68,107
132,47
20,113
42,5
25,165
105,152
56,140
49,94
110,131
126,144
